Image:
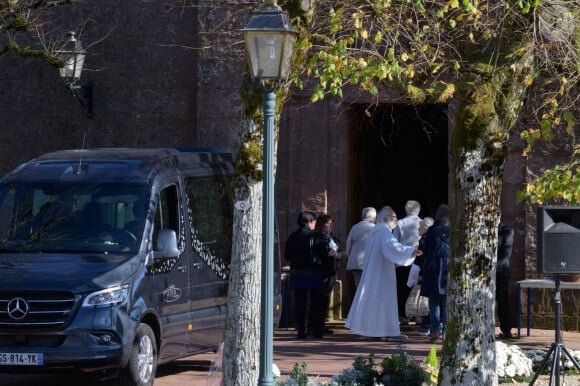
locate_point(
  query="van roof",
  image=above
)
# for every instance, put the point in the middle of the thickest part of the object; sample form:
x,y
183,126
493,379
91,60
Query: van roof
x,y
133,165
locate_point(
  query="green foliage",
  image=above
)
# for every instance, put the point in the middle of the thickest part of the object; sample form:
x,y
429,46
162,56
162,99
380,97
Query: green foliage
x,y
552,117
398,44
398,369
431,367
248,156
560,184
367,368
299,374
402,369
24,29
432,358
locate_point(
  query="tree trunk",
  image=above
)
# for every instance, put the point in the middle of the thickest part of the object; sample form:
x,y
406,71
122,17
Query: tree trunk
x,y
242,337
484,119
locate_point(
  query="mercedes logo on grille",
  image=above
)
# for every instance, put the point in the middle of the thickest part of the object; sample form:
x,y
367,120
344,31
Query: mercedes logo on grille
x,y
18,308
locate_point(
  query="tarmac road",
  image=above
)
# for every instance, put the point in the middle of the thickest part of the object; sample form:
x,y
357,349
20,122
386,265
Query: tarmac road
x,y
189,371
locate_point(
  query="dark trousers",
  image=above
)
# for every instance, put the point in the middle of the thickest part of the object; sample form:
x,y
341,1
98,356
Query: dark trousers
x,y
402,289
311,302
326,298
438,313
503,305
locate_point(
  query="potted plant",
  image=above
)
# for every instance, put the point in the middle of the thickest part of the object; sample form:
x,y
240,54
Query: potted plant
x,y
401,370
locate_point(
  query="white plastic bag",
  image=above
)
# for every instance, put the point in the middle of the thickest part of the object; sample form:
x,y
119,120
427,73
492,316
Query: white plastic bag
x,y
413,275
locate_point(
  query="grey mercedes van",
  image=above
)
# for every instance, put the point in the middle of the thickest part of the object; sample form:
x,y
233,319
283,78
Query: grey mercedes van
x,y
115,260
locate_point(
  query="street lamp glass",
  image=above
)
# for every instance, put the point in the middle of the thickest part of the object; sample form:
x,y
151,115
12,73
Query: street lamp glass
x,y
269,54
269,43
73,55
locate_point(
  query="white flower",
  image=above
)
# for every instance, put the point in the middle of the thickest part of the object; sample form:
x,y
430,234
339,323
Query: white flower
x,y
510,370
512,361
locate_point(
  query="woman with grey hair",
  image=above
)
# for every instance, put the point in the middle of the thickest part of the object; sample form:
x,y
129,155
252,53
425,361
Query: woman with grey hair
x,y
374,311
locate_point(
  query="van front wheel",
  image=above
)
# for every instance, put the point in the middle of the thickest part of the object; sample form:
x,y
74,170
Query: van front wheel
x,y
140,371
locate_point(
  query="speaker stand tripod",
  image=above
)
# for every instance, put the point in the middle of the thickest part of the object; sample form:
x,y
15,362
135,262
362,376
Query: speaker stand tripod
x,y
557,347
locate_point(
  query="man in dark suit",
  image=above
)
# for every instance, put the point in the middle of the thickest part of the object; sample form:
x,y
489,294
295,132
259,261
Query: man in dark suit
x,y
306,276
504,251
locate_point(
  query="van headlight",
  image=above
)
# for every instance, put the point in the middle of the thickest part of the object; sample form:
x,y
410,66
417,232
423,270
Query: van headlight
x,y
107,297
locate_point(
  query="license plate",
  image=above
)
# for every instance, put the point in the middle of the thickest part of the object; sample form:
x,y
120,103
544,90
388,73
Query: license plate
x,y
21,359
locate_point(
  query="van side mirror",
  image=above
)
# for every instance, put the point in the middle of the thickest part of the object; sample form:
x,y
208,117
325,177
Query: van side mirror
x,y
166,244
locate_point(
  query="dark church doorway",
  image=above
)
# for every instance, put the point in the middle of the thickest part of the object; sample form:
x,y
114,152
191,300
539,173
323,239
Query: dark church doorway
x,y
398,152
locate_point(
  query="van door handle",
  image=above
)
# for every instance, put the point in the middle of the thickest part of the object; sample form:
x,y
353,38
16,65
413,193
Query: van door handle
x,y
182,268
197,265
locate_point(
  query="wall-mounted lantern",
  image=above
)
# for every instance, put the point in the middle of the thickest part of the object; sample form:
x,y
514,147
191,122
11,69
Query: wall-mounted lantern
x,y
73,55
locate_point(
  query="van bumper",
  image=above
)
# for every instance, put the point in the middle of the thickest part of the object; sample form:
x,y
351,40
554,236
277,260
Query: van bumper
x,y
73,354
97,339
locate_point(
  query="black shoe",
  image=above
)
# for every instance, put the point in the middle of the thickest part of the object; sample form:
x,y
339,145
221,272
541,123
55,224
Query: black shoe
x,y
508,335
301,336
328,331
318,336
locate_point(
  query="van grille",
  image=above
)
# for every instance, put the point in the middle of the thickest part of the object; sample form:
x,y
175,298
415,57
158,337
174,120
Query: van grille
x,y
37,310
14,340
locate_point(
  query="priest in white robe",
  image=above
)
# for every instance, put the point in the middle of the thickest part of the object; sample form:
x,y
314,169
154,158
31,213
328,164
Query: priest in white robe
x,y
374,312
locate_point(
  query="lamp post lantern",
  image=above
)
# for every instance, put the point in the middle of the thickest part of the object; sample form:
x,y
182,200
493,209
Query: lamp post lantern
x,y
270,42
73,55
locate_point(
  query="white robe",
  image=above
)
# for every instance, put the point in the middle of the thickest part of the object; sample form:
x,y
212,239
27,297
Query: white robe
x,y
373,311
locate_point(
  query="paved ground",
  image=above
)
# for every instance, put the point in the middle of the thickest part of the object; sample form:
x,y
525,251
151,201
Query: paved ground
x,y
336,352
324,358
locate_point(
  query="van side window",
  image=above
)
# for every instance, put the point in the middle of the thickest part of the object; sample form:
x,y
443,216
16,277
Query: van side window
x,y
210,202
166,217
166,212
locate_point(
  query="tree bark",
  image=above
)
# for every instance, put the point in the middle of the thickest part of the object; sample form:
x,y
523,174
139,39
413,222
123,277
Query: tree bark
x,y
484,118
242,337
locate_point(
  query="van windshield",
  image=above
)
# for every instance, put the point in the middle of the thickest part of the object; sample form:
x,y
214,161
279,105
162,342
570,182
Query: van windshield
x,y
72,217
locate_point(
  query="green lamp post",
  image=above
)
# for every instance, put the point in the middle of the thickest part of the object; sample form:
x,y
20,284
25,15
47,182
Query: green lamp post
x,y
270,42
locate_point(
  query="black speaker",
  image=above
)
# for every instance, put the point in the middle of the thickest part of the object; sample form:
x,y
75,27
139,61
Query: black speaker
x,y
558,239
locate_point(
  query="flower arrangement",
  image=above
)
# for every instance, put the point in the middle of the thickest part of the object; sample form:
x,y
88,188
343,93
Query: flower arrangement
x,y
511,362
538,356
401,369
397,369
513,365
